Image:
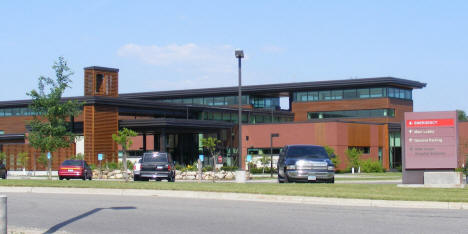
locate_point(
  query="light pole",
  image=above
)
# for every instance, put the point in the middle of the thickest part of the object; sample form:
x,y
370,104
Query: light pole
x,y
239,55
271,152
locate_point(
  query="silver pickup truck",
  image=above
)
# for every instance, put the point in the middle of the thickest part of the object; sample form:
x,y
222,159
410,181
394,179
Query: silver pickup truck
x,y
305,163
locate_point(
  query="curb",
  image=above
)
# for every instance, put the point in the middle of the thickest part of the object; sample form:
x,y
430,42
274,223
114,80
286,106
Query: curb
x,y
243,197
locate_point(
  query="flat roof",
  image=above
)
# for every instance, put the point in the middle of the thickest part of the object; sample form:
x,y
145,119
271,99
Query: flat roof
x,y
279,89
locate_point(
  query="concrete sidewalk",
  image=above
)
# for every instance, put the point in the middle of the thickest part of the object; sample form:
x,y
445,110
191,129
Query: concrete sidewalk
x,y
242,197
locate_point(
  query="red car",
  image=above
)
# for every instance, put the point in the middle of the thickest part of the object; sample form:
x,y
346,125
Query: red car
x,y
75,169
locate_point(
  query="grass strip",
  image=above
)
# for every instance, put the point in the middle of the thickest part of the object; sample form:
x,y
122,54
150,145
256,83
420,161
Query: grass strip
x,y
362,191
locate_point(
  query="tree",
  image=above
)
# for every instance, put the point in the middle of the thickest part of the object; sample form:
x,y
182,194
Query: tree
x,y
3,157
354,157
50,129
23,159
123,138
331,154
265,160
462,115
210,144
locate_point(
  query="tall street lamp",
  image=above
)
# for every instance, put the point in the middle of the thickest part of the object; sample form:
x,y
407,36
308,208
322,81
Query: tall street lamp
x,y
271,152
239,55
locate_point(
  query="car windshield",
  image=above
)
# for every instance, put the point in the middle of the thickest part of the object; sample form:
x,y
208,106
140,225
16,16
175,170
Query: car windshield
x,y
160,157
315,152
72,163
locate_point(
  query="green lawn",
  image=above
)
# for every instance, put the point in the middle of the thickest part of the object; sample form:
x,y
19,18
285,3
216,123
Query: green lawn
x,y
364,191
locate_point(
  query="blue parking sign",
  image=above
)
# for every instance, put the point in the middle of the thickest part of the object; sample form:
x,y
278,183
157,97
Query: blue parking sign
x,y
201,157
99,156
249,158
48,155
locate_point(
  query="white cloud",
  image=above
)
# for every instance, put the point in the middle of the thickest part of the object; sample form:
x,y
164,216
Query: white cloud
x,y
186,65
206,58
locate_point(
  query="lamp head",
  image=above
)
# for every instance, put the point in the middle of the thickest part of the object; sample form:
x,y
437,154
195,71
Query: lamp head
x,y
239,53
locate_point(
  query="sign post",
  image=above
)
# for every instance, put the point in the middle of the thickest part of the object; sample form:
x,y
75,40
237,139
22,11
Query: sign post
x,y
100,164
430,144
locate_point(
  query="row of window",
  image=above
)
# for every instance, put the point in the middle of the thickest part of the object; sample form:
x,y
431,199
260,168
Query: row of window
x,y
327,95
210,101
257,102
246,118
18,111
375,113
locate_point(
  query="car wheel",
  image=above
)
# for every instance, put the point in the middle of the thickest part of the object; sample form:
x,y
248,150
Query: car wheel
x,y
332,181
171,179
68,178
84,177
286,179
90,177
136,178
60,178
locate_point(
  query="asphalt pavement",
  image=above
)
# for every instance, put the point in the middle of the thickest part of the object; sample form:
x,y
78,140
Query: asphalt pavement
x,y
71,213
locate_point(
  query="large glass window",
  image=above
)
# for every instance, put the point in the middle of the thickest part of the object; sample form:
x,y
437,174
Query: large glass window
x,y
302,96
374,113
337,94
363,93
349,94
208,101
376,92
324,95
312,96
219,101
198,101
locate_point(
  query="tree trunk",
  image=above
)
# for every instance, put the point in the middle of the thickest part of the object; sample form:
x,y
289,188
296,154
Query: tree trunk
x,y
124,162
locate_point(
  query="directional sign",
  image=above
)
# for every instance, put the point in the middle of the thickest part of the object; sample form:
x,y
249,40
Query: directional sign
x,y
99,156
201,157
431,140
48,155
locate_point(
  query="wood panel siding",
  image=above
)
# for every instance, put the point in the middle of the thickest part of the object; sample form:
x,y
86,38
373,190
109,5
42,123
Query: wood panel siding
x,y
14,124
300,109
12,151
100,122
109,86
337,135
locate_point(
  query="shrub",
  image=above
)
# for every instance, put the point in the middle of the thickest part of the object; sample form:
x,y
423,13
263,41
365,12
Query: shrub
x,y
112,166
370,165
179,167
261,170
207,168
227,168
333,157
354,157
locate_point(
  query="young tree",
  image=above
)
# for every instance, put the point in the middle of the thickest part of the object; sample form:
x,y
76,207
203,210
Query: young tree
x,y
123,138
50,129
23,159
265,160
3,157
354,157
210,144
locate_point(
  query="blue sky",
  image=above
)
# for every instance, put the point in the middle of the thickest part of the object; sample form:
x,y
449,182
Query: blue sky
x,y
167,45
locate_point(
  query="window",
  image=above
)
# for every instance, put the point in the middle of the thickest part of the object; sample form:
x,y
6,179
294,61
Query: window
x,y
373,113
312,96
99,80
231,100
337,94
198,101
376,92
349,94
208,101
324,95
302,97
363,149
363,93
187,101
219,101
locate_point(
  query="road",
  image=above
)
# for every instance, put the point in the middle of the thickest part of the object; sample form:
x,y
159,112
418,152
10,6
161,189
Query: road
x,y
119,214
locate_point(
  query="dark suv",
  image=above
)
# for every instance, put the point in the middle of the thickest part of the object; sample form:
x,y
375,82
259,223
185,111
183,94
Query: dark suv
x,y
305,163
157,166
